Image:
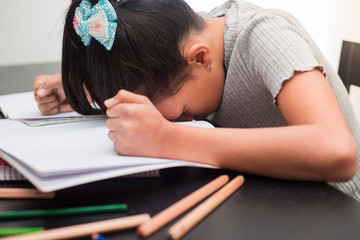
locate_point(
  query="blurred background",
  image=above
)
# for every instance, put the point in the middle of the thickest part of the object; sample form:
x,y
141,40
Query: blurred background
x,y
31,31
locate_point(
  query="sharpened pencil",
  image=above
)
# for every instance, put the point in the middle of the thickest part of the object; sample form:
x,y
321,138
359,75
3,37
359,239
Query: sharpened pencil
x,y
85,229
24,193
195,216
165,216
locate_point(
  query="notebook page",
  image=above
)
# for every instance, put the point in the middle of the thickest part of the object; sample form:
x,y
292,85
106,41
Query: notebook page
x,y
10,127
23,105
78,149
50,154
36,154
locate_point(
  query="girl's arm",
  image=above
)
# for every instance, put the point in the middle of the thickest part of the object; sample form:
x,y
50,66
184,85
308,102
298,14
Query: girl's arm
x,y
316,146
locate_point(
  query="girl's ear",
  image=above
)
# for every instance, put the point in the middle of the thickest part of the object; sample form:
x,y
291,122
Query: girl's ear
x,y
198,54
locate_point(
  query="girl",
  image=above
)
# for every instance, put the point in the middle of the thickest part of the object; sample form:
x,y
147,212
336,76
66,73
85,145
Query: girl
x,y
257,73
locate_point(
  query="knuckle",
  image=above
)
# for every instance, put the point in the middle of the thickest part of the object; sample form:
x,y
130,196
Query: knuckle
x,y
108,113
120,110
126,110
110,124
121,147
39,78
144,98
49,106
121,92
111,136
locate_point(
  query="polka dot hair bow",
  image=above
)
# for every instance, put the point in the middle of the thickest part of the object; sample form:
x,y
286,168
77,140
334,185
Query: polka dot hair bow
x,y
96,21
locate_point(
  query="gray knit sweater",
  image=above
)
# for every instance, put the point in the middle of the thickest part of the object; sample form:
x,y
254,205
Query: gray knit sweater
x,y
263,48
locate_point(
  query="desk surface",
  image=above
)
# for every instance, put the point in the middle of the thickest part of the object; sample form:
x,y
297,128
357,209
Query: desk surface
x,y
263,208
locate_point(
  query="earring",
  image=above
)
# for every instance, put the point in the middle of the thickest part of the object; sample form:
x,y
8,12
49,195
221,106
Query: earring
x,y
210,66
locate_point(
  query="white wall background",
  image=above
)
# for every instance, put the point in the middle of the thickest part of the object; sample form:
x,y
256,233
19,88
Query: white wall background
x,y
31,31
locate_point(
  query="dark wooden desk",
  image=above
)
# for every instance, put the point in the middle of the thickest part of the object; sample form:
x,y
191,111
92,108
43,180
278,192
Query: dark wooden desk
x,y
262,208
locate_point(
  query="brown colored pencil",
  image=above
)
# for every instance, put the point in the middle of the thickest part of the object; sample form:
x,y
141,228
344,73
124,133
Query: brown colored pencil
x,y
181,206
191,219
24,193
85,229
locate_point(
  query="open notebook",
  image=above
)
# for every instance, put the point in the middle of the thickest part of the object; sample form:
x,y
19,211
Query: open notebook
x,y
54,155
64,155
23,107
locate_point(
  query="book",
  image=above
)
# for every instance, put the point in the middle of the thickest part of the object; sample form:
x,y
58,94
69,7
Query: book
x,y
23,107
10,174
59,156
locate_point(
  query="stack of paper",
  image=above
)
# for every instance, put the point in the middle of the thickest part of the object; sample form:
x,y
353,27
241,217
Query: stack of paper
x,y
63,155
8,173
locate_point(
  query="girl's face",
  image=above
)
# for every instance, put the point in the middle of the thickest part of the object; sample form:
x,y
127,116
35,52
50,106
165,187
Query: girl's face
x,y
197,97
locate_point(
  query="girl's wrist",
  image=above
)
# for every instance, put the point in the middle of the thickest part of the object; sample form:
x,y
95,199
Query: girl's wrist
x,y
182,142
168,137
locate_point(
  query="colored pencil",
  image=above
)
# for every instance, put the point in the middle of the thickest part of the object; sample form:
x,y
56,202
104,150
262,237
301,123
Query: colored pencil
x,y
191,219
16,231
165,216
85,229
24,193
62,211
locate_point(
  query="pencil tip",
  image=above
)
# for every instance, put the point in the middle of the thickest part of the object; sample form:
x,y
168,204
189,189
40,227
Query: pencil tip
x,y
140,233
169,237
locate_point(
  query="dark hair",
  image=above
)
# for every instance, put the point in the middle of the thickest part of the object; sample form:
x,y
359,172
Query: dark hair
x,y
144,59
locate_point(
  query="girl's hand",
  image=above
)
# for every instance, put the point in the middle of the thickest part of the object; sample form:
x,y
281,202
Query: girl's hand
x,y
49,94
135,126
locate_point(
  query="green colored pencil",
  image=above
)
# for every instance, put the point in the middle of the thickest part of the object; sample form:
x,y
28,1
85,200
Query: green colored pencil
x,y
62,211
16,231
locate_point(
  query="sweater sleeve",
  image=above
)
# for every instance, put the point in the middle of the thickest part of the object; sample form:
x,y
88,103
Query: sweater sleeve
x,y
275,49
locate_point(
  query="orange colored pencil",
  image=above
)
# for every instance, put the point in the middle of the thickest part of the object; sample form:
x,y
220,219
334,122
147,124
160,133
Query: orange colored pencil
x,y
85,229
24,193
181,206
200,212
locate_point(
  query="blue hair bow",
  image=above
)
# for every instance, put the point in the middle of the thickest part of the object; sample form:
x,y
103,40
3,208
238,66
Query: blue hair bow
x,y
97,22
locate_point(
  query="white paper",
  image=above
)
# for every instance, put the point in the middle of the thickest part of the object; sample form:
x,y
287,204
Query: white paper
x,y
53,183
60,156
23,106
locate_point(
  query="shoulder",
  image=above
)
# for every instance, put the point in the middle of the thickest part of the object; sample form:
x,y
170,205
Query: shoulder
x,y
268,29
273,20
262,27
